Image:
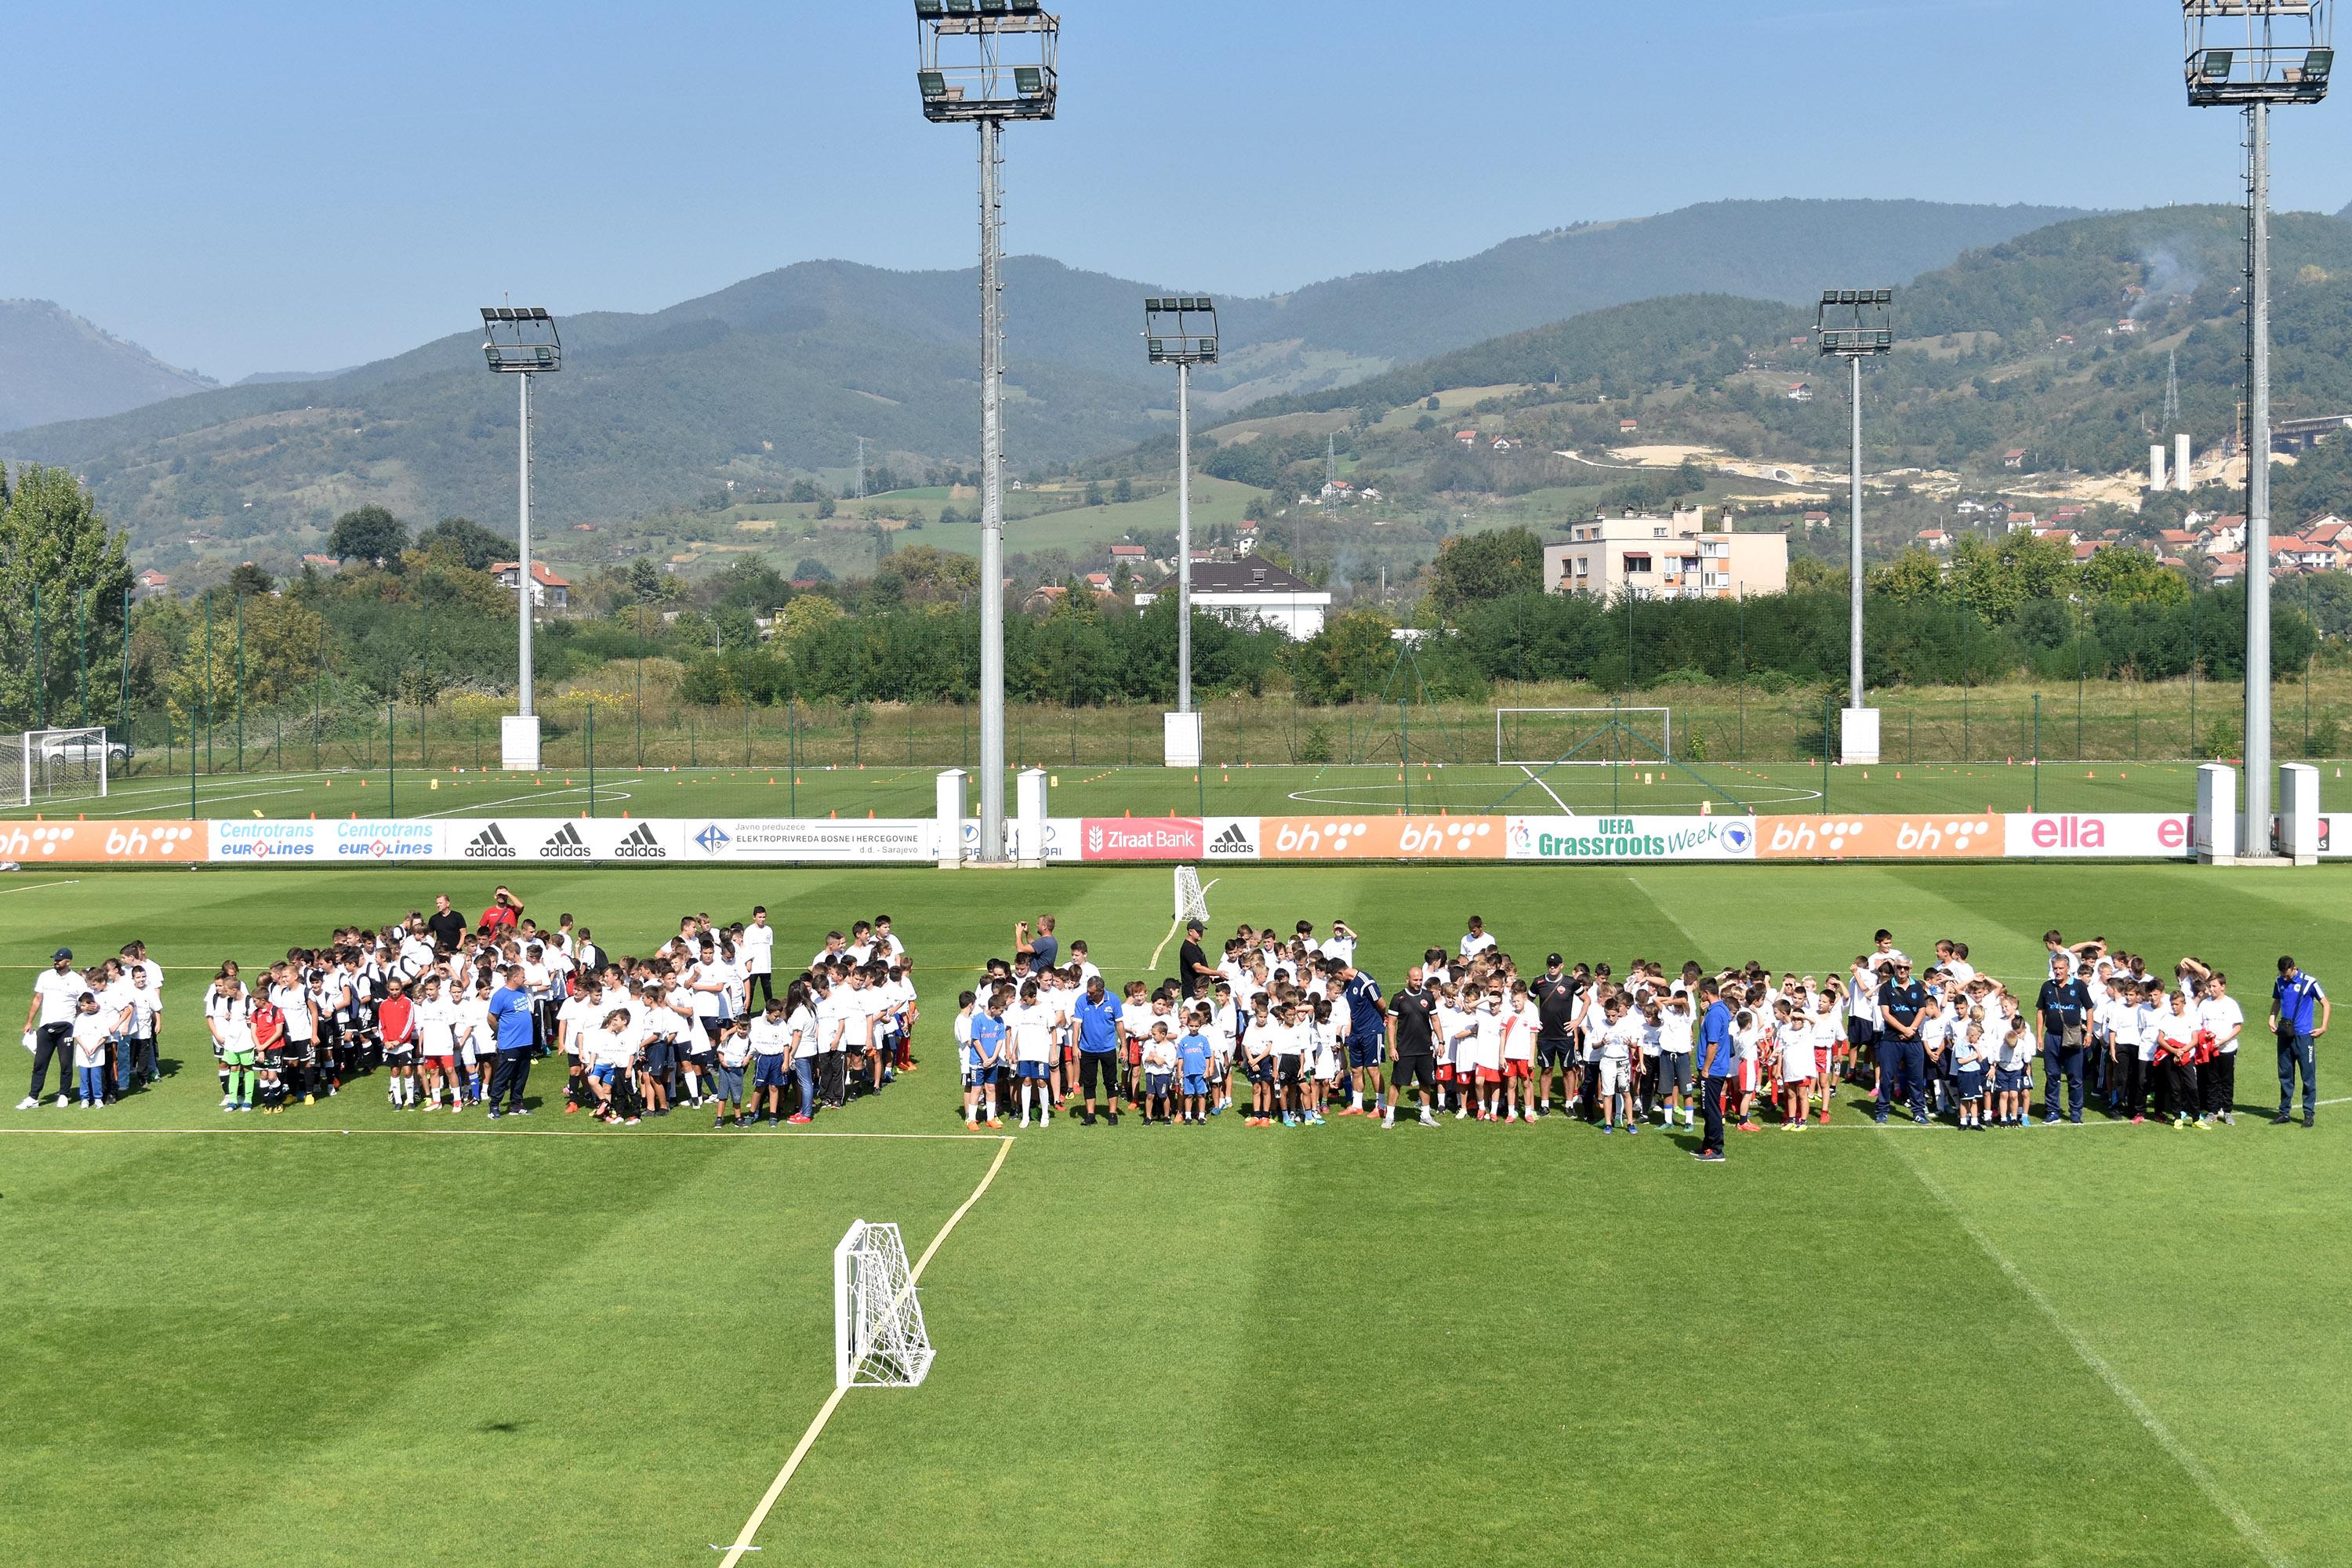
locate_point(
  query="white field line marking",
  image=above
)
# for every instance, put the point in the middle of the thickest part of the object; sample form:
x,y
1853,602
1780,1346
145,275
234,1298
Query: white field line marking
x,y
174,787
1660,904
603,792
833,1401
2254,1536
209,800
35,887
1546,788
242,1131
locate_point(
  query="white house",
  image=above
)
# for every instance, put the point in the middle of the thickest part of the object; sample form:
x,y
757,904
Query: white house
x,y
548,591
1254,591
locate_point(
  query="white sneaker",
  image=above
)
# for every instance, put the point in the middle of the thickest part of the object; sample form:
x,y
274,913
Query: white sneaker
x,y
64,1100
1389,1121
1428,1118
29,1103
1461,1111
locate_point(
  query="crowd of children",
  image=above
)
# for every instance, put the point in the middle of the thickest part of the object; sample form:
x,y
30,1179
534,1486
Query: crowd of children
x,y
1288,1028
452,1016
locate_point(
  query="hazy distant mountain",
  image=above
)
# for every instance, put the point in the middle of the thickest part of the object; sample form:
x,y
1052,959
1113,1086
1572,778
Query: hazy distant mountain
x,y
779,375
55,365
286,377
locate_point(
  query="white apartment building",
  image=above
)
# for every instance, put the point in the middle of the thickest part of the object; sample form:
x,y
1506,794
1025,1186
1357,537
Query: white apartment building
x,y
1665,558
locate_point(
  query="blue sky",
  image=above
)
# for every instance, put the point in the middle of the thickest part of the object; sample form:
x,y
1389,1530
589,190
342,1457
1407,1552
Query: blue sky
x,y
243,186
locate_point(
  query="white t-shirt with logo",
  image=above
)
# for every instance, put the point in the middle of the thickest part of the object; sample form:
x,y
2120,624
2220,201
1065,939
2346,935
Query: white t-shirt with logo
x,y
61,995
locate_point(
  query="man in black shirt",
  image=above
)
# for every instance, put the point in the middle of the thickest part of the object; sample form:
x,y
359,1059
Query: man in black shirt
x,y
2065,1007
1412,1047
445,925
1193,963
1555,998
1902,1056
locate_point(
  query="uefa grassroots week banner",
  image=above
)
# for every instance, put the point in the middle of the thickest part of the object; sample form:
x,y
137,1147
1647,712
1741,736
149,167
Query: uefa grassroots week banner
x,y
1630,839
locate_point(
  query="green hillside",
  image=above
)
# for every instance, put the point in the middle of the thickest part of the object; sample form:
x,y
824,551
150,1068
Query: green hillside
x,y
776,377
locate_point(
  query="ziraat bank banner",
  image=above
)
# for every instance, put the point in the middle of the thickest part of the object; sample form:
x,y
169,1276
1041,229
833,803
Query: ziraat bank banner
x,y
1140,838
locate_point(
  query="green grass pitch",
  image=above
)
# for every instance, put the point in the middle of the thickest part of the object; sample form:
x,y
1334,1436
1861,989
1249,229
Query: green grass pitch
x,y
893,789
340,1337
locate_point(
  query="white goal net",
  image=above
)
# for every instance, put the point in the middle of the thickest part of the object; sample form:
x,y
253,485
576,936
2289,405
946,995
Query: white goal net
x,y
878,1338
1551,737
48,764
1192,899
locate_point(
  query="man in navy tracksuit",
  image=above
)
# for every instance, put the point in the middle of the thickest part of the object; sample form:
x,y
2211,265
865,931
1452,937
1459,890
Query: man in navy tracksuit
x,y
1721,1054
2299,1011
2065,1008
1902,1056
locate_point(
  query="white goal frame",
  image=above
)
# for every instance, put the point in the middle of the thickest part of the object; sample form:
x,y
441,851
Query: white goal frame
x,y
1599,716
37,763
878,1337
1192,899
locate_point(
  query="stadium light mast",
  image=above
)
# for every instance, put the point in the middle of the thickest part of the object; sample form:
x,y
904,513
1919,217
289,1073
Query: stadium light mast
x,y
1862,331
984,62
2248,54
1182,329
522,342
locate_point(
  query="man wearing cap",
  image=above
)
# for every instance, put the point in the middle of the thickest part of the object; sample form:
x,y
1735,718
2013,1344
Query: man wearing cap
x,y
1192,971
1555,998
56,1001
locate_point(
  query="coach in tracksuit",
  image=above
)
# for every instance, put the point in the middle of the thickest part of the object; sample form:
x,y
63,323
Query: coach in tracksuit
x,y
2064,1005
1902,1055
1722,1060
2299,1010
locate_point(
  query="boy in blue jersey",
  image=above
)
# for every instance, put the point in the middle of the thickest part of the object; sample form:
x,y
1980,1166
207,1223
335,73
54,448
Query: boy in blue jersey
x,y
1193,1055
984,1053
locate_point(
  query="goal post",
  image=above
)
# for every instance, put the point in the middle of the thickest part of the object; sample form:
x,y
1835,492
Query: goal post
x,y
1559,737
42,765
878,1337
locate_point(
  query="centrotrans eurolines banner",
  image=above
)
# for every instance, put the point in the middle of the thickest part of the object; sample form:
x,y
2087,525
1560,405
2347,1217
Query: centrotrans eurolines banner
x,y
1630,839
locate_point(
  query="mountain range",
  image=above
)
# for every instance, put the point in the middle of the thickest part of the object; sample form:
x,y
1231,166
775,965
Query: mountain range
x,y
55,365
777,376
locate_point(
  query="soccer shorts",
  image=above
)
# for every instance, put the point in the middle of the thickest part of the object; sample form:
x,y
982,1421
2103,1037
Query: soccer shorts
x,y
1747,1077
660,1057
1612,1076
440,1061
1196,1083
1161,1084
1286,1070
1860,1033
768,1070
1260,1070
1972,1082
1407,1072
1038,1071
1517,1066
1555,1054
1363,1054
1490,1075
400,1056
1674,1072
2010,1080
604,1072
729,1081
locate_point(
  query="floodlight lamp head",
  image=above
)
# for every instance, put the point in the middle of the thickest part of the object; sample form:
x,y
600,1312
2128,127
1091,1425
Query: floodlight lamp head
x,y
987,60
1181,329
1855,323
2237,53
520,340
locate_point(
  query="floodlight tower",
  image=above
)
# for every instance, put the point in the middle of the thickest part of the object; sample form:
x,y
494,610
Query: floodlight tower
x,y
1861,332
1182,329
521,342
2248,54
984,62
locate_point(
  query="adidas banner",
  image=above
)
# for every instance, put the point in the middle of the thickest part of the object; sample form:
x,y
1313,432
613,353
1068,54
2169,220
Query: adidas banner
x,y
911,842
546,839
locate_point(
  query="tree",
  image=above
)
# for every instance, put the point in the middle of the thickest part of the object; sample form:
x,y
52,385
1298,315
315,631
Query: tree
x,y
812,570
1913,576
54,544
370,534
825,508
1094,496
1472,568
467,540
251,582
1123,492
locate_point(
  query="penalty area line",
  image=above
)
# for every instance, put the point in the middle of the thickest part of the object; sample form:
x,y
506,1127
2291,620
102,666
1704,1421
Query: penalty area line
x,y
833,1401
2253,1533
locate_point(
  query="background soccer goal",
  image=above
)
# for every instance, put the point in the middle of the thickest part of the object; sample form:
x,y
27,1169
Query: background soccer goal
x,y
878,1338
1548,737
43,764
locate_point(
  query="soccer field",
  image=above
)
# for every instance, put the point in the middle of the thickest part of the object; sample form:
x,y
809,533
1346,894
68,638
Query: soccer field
x,y
346,1337
896,791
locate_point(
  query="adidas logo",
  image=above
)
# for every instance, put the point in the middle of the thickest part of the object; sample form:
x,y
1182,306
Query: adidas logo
x,y
1232,841
490,844
640,845
565,845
